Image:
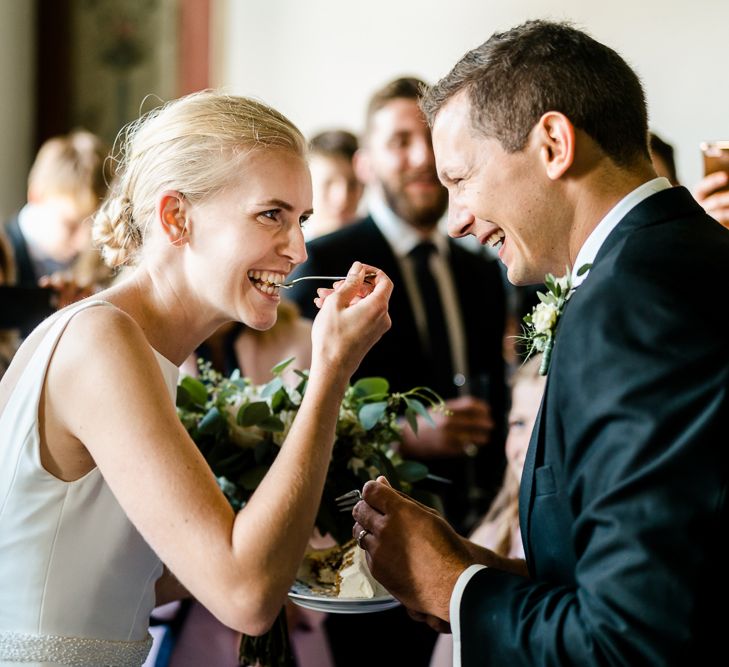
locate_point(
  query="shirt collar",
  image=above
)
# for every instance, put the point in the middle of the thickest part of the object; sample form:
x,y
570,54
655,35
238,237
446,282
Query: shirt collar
x,y
42,264
401,236
597,237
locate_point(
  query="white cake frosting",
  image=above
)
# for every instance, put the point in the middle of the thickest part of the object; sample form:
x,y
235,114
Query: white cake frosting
x,y
354,578
341,570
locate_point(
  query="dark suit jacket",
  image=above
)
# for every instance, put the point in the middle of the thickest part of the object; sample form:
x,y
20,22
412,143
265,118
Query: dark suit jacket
x,y
23,305
25,273
624,493
399,355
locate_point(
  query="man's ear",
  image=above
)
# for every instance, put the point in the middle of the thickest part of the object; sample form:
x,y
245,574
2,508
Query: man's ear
x,y
172,215
556,135
362,165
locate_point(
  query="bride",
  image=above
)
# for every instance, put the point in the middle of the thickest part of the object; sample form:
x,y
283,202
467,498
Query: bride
x,y
99,482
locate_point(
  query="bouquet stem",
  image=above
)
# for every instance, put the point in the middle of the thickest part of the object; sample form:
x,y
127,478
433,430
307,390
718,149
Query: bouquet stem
x,y
272,649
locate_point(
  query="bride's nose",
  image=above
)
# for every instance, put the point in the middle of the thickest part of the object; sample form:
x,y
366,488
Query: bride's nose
x,y
295,246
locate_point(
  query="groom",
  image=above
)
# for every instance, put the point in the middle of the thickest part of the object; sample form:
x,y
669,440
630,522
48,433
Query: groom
x,y
540,137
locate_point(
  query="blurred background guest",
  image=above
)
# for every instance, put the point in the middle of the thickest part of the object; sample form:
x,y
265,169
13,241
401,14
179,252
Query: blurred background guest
x,y
712,192
8,337
337,190
662,155
50,236
447,313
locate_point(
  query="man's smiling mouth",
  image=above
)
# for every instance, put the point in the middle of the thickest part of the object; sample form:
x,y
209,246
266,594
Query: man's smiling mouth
x,y
496,238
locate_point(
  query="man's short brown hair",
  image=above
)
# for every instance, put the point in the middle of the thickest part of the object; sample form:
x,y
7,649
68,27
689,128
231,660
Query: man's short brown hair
x,y
334,143
406,87
516,76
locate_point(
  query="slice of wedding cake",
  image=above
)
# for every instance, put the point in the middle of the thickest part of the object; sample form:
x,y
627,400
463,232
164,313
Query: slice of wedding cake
x,y
354,579
341,571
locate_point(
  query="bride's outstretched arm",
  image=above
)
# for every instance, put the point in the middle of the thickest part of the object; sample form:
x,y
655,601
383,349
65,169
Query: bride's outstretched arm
x,y
239,566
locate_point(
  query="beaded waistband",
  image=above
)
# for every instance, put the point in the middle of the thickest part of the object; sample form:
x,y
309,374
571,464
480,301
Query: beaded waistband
x,y
73,651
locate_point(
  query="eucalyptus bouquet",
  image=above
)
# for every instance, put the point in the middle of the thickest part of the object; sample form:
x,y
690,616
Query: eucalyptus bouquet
x,y
239,427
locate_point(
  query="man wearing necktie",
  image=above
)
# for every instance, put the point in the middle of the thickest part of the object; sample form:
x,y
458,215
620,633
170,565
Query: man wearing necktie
x,y
447,313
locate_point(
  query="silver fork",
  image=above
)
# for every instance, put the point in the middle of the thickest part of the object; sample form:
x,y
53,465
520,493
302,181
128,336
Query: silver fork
x,y
348,500
291,283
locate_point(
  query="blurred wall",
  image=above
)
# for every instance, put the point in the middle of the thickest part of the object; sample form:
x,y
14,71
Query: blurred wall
x,y
16,101
319,60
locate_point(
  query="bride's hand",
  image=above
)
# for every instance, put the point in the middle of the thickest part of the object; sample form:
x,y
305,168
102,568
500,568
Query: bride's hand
x,y
353,316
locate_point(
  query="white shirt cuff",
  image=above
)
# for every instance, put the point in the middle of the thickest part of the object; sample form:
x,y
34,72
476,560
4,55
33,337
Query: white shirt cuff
x,y
455,609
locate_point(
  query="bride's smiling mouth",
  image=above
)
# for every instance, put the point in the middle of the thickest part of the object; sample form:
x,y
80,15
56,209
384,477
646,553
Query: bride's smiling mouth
x,y
266,281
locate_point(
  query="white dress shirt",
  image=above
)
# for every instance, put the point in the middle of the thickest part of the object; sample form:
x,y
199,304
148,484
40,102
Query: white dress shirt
x,y
586,255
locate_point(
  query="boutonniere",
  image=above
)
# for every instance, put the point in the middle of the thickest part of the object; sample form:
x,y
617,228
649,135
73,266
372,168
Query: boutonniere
x,y
541,323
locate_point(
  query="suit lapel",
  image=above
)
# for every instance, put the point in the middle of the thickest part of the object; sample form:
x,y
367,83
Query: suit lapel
x,y
526,489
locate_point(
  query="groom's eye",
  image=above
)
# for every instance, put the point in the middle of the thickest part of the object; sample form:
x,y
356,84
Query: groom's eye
x,y
272,214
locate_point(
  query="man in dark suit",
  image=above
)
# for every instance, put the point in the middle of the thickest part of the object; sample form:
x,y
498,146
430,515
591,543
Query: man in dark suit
x,y
462,361
447,314
540,136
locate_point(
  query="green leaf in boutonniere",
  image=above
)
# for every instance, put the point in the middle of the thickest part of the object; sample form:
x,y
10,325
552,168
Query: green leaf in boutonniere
x,y
541,324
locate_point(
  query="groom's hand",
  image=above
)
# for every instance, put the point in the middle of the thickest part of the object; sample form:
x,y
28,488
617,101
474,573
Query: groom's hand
x,y
411,550
433,621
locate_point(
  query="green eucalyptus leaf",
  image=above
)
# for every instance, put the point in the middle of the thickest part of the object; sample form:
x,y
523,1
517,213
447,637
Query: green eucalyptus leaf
x,y
272,424
239,383
387,469
251,414
212,423
183,398
415,405
197,391
371,413
374,386
412,419
277,400
411,471
542,297
272,387
281,366
584,269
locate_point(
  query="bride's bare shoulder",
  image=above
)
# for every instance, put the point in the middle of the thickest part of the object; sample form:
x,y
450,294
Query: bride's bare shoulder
x,y
102,328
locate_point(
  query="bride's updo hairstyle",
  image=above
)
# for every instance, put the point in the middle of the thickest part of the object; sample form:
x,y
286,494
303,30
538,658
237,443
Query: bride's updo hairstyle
x,y
193,145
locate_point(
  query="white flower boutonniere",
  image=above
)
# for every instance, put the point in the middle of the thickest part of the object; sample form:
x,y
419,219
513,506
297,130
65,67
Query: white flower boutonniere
x,y
541,323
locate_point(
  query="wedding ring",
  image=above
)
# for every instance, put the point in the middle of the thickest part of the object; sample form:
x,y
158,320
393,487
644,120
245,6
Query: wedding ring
x,y
360,537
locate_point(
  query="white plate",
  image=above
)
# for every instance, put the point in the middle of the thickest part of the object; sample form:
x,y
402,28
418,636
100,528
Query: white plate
x,y
301,594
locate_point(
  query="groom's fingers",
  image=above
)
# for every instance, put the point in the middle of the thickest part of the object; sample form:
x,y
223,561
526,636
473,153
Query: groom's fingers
x,y
379,496
383,480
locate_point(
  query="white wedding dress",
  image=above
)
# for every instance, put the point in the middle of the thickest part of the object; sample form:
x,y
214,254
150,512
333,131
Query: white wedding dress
x,y
76,578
